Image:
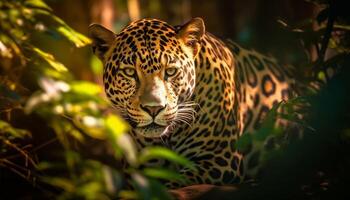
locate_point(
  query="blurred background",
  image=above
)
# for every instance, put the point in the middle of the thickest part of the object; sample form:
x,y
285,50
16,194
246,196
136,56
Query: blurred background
x,y
251,23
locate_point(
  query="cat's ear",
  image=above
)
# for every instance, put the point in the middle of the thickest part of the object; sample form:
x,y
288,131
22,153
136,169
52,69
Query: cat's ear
x,y
191,34
102,39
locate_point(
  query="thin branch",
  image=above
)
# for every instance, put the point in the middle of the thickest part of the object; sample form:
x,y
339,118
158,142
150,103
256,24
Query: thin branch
x,y
24,153
327,35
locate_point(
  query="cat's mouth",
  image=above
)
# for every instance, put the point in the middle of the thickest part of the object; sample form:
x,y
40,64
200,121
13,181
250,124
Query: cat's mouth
x,y
154,125
152,130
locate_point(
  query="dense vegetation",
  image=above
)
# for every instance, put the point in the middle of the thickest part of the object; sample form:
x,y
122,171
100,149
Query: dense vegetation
x,y
48,117
59,138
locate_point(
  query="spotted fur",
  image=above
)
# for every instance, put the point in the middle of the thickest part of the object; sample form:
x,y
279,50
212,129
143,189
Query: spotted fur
x,y
183,88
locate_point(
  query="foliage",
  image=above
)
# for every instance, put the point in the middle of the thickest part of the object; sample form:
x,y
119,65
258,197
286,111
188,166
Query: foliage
x,y
35,86
307,161
311,71
9,137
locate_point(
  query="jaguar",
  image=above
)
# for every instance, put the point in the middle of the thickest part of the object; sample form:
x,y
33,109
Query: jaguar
x,y
183,88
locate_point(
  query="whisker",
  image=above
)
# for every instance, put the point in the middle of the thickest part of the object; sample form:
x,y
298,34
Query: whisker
x,y
186,112
184,121
185,117
186,108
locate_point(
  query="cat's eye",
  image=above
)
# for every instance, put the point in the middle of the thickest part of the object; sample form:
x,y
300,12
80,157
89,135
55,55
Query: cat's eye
x,y
171,71
129,71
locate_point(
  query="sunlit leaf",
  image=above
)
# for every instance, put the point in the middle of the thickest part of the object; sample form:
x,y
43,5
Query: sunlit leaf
x,y
9,47
6,128
35,100
50,59
84,87
58,126
163,174
112,179
4,51
77,135
90,190
44,165
342,27
96,65
58,25
128,194
37,4
92,126
78,39
282,23
72,158
164,153
51,91
50,72
126,143
121,141
321,76
116,125
142,185
63,183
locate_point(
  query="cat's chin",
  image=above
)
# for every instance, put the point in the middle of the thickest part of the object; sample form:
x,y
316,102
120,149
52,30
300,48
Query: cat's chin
x,y
151,131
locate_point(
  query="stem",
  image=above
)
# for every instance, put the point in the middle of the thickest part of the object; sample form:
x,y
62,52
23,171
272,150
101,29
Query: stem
x,y
327,34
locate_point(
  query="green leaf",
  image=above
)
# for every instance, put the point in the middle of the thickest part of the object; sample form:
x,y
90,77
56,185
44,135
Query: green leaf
x,y
5,51
142,185
37,4
9,131
116,126
121,142
128,147
78,39
63,183
8,47
342,27
96,66
91,126
50,59
161,152
44,165
58,25
163,174
84,87
90,190
77,135
244,142
159,191
149,189
72,158
128,194
268,126
321,76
